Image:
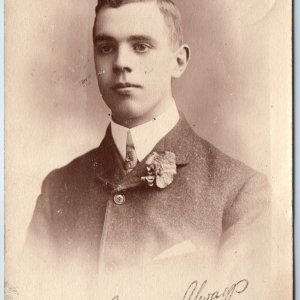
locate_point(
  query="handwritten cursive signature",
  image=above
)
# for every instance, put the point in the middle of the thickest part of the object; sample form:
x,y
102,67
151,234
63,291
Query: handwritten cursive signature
x,y
196,292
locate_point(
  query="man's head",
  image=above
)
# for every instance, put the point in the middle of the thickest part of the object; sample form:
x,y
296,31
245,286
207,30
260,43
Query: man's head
x,y
137,50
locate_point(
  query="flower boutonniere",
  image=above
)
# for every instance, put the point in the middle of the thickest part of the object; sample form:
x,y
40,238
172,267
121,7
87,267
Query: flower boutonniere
x,y
161,168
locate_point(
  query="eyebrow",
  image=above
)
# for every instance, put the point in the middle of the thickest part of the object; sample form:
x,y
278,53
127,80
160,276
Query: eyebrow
x,y
142,38
103,38
133,38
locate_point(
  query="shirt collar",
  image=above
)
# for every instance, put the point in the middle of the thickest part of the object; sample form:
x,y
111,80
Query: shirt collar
x,y
147,135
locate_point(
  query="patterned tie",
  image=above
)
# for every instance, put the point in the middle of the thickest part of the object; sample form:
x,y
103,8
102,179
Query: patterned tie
x,y
131,158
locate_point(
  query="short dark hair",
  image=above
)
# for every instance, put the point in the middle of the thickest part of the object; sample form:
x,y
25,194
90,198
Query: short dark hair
x,y
168,9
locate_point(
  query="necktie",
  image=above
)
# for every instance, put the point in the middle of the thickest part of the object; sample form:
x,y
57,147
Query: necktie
x,y
131,158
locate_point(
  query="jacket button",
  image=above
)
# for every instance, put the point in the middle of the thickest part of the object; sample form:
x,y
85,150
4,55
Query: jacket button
x,y
119,199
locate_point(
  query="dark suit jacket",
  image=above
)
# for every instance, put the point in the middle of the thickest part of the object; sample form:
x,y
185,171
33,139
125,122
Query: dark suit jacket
x,y
211,203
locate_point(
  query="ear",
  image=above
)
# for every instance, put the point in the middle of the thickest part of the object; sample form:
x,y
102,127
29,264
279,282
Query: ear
x,y
182,57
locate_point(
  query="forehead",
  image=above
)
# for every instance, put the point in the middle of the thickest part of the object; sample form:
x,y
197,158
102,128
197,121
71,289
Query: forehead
x,y
136,18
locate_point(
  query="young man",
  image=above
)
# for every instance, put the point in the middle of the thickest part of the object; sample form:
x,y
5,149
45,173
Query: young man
x,y
153,192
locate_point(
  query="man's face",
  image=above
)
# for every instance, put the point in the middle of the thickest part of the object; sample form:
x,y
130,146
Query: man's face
x,y
134,61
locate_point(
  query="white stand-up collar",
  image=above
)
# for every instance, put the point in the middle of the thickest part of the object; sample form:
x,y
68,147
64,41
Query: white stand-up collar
x,y
147,135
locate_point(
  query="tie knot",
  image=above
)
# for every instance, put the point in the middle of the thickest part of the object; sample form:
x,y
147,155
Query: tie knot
x,y
129,141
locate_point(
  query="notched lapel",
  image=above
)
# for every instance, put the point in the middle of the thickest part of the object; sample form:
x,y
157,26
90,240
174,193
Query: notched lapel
x,y
179,141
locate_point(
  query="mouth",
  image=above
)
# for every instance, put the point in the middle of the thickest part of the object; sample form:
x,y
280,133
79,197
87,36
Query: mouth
x,y
125,88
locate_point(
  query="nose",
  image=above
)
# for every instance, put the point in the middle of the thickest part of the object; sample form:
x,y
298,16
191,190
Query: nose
x,y
122,61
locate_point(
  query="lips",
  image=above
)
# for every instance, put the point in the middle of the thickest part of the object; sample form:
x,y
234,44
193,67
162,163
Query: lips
x,y
125,85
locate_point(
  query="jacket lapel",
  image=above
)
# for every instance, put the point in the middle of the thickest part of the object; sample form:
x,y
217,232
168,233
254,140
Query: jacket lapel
x,y
108,165
109,168
178,141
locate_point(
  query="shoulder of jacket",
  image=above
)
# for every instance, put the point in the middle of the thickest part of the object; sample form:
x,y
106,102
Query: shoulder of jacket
x,y
218,164
77,167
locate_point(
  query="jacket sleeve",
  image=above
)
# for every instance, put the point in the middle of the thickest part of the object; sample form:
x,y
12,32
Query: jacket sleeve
x,y
245,249
39,236
39,251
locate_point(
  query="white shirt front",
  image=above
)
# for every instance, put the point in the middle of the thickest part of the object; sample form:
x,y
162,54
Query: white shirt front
x,y
147,135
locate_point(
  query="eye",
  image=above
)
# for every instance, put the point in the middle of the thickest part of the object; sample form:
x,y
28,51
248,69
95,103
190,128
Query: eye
x,y
141,47
105,49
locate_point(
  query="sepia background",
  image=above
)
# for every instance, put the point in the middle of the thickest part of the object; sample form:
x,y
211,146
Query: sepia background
x,y
236,93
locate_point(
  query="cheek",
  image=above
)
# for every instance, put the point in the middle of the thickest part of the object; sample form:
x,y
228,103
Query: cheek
x,y
147,67
102,67
157,73
103,74
100,73
159,64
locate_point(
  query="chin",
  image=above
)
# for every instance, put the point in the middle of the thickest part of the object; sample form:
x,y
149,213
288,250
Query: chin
x,y
126,115
134,110
130,116
128,108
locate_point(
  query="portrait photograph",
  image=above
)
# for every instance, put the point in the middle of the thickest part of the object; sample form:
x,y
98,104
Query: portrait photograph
x,y
148,149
